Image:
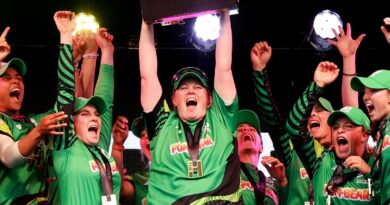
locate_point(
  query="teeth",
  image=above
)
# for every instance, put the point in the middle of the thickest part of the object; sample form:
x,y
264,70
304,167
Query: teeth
x,y
191,101
314,124
15,92
247,137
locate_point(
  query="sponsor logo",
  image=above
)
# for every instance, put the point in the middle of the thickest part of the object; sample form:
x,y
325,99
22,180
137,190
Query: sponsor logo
x,y
94,167
349,193
246,185
386,142
143,201
181,147
303,173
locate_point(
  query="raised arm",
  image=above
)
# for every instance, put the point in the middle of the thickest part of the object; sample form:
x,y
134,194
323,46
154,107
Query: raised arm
x,y
85,50
296,123
105,83
223,79
347,47
385,32
5,49
151,89
269,112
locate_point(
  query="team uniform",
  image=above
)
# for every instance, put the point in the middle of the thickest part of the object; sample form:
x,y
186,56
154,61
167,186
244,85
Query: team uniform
x,y
322,169
297,190
265,186
381,166
214,177
28,178
77,174
139,180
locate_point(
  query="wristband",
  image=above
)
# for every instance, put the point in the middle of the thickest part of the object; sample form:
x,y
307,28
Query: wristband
x,y
347,74
91,55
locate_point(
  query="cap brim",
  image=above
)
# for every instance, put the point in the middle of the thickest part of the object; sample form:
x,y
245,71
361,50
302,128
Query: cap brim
x,y
97,101
15,63
334,116
358,84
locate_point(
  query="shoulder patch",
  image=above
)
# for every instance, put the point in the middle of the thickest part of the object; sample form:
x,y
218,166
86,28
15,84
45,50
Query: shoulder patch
x,y
4,129
386,142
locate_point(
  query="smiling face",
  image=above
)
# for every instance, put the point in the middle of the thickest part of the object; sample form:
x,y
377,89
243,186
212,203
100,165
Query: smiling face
x,y
11,91
377,103
248,139
191,100
145,145
318,126
348,138
87,124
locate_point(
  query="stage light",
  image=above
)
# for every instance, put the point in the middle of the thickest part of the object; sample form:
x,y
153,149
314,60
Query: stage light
x,y
323,24
205,32
207,27
85,22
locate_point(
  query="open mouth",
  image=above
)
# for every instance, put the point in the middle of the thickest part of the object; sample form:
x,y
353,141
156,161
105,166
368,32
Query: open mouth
x,y
247,138
370,108
342,143
191,102
93,128
314,124
15,93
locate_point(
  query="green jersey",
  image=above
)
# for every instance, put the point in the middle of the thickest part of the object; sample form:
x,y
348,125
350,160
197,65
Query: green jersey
x,y
381,168
27,178
265,186
140,183
321,169
297,190
77,172
213,177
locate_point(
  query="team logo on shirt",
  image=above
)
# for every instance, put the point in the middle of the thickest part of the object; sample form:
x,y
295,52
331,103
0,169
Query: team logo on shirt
x,y
303,173
143,201
246,185
181,147
386,142
94,167
349,193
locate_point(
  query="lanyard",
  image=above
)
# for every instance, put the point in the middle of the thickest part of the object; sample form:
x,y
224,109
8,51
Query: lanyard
x,y
194,165
105,173
259,188
193,141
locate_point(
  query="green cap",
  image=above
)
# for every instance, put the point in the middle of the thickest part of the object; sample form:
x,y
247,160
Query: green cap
x,y
325,104
99,103
14,63
380,79
187,72
249,117
356,115
137,126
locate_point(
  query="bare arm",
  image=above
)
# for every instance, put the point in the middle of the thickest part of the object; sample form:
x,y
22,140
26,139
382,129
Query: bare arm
x,y
151,89
88,66
120,132
347,47
5,49
385,32
223,79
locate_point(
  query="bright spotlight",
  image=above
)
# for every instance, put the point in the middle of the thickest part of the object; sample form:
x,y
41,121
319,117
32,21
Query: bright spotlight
x,y
323,24
207,27
85,22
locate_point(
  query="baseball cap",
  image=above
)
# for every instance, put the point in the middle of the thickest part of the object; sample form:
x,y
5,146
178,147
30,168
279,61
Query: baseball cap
x,y
249,117
356,115
16,63
380,79
325,104
187,72
137,126
99,103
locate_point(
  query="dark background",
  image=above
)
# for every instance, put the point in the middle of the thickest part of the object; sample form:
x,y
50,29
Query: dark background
x,y
284,24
